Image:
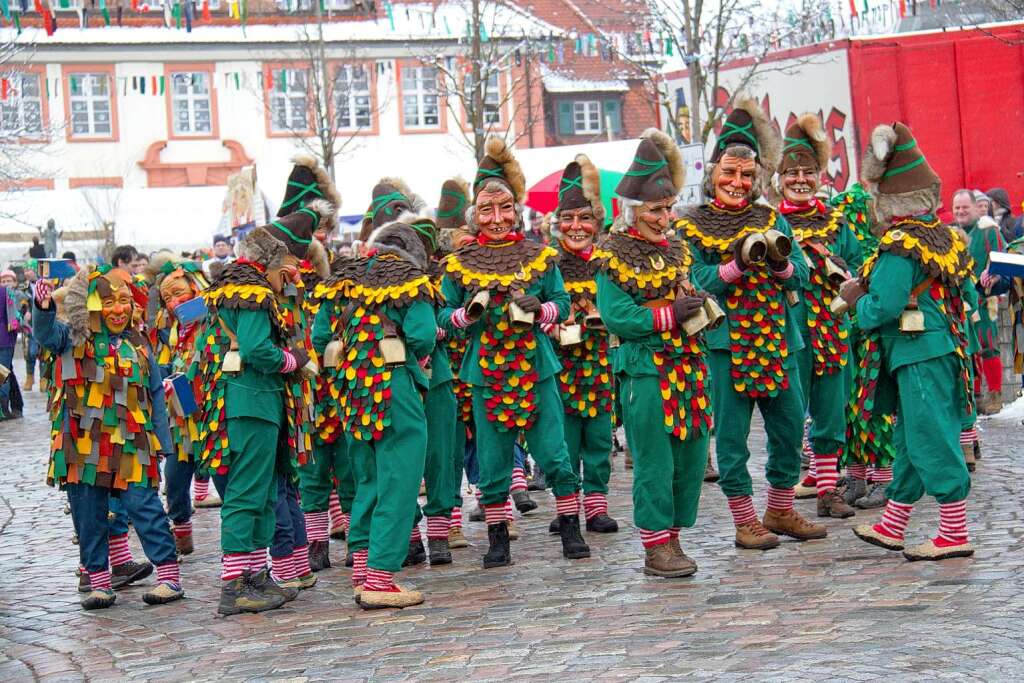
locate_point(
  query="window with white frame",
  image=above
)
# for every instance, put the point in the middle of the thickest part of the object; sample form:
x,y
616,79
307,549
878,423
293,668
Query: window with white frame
x,y
294,5
352,96
90,104
491,114
421,104
191,104
289,100
21,114
586,116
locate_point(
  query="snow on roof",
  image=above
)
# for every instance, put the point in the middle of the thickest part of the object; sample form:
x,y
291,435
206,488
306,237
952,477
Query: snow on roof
x,y
562,83
422,21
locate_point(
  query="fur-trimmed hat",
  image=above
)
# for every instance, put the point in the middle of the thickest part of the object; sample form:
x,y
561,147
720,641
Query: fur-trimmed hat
x,y
580,187
451,208
897,173
390,198
296,230
309,182
805,144
426,228
499,163
657,171
402,239
263,247
748,126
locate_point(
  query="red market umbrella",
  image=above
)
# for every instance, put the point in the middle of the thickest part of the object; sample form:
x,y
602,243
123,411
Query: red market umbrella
x,y
543,196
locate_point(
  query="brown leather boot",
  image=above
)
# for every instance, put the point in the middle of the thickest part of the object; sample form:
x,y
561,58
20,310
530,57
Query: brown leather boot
x,y
661,561
184,545
677,551
791,523
710,473
994,402
831,504
968,451
753,536
628,459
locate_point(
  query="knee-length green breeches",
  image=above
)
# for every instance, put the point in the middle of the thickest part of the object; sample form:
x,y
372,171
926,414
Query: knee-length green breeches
x,y
330,462
825,398
441,410
247,516
589,442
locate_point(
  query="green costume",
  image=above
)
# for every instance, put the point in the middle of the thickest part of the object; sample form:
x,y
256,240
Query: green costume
x,y
981,241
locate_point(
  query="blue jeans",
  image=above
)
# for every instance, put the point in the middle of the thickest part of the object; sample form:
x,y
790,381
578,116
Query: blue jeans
x,y
518,456
31,356
89,507
178,475
290,526
7,360
471,464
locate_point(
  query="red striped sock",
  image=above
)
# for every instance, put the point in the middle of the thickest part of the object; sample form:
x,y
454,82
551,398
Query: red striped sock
x,y
257,560
894,520
169,572
378,580
232,565
316,525
494,513
100,580
477,492
456,518
952,524
334,507
881,475
595,504
567,505
300,561
415,535
359,567
653,538
742,509
281,568
968,436
346,521
826,469
182,529
509,517
858,472
780,499
673,532
117,548
437,528
201,488
518,480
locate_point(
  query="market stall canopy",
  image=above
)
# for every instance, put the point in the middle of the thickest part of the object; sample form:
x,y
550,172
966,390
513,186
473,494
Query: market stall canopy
x,y
543,196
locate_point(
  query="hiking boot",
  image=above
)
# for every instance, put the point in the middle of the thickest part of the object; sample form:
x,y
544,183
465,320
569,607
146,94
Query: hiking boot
x,y
930,551
968,450
440,553
537,482
457,539
43,384
871,534
856,489
84,584
993,404
338,533
30,380
753,536
101,598
128,573
306,581
513,530
262,583
806,488
661,560
499,552
523,502
791,523
319,555
184,545
710,473
831,504
349,559
875,497
477,515
239,595
163,593
573,545
397,598
602,524
556,526
977,450
628,460
416,554
210,501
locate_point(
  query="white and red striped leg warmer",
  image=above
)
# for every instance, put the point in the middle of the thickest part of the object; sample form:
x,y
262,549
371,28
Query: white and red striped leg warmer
x,y
858,472
201,487
456,518
346,521
117,548
567,505
377,580
494,513
881,475
437,528
509,517
826,468
316,525
359,567
258,560
673,532
894,520
742,509
595,504
300,561
653,538
781,499
168,572
281,568
518,480
334,507
968,436
952,524
232,565
100,580
415,535
182,529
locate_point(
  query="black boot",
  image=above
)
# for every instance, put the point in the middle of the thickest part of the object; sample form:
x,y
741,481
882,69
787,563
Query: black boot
x,y
319,555
499,552
573,545
556,526
264,585
523,502
602,524
440,553
416,554
349,559
537,482
239,596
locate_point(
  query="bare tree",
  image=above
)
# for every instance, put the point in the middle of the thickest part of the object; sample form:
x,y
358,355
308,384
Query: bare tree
x,y
104,203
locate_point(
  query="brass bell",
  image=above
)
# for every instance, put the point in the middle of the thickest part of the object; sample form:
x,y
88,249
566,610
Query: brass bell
x,y
838,306
570,335
392,348
912,321
833,273
333,353
232,362
478,304
593,321
517,316
755,248
779,245
697,322
714,312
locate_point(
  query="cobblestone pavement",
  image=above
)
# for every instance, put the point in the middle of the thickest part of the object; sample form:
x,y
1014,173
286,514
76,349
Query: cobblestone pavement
x,y
835,608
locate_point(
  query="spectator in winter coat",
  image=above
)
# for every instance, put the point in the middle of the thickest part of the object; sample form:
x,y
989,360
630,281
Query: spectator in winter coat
x,y
1002,213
